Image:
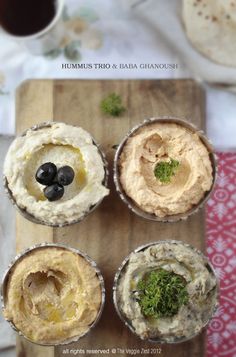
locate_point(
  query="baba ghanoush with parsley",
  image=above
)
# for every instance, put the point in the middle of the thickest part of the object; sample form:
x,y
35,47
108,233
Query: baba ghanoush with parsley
x,y
165,168
55,173
167,291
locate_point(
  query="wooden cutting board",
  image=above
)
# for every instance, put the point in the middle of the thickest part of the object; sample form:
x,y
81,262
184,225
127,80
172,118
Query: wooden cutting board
x,y
112,231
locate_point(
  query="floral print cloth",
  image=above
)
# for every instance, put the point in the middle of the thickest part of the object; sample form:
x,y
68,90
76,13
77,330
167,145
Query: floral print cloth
x,y
79,34
221,250
95,32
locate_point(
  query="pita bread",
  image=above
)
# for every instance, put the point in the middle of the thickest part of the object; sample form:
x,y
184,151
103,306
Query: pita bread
x,y
211,27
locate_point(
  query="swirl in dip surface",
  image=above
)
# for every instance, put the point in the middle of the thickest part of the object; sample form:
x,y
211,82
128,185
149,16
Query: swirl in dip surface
x,y
157,144
52,295
181,262
62,145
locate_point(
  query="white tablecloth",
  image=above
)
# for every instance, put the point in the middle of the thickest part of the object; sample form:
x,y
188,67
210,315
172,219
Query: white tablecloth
x,y
151,33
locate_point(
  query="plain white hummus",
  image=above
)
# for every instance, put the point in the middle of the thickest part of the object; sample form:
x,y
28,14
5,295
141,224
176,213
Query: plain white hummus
x,y
63,145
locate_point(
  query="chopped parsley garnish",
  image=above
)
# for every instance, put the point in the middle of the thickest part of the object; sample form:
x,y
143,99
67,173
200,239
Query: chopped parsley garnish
x,y
161,293
164,170
112,105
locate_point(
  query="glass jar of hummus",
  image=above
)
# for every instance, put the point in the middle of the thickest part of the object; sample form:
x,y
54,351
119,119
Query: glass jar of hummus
x,y
166,291
52,294
164,169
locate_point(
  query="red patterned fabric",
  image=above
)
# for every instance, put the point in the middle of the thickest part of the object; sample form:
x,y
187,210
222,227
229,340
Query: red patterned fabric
x,y
221,250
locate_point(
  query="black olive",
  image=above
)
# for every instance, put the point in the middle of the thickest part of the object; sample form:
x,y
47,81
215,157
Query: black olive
x,y
65,175
54,192
46,173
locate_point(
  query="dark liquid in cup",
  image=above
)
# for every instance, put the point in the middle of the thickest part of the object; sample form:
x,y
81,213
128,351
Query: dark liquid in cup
x,y
26,17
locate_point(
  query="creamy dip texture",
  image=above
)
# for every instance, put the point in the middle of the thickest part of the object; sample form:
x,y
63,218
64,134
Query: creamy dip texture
x,y
62,145
200,286
52,295
157,143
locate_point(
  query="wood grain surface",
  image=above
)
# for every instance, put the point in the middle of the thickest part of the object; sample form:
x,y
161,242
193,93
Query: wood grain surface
x,y
112,231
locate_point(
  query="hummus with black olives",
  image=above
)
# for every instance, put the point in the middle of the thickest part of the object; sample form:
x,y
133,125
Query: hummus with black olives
x,y
157,143
62,145
52,295
201,287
